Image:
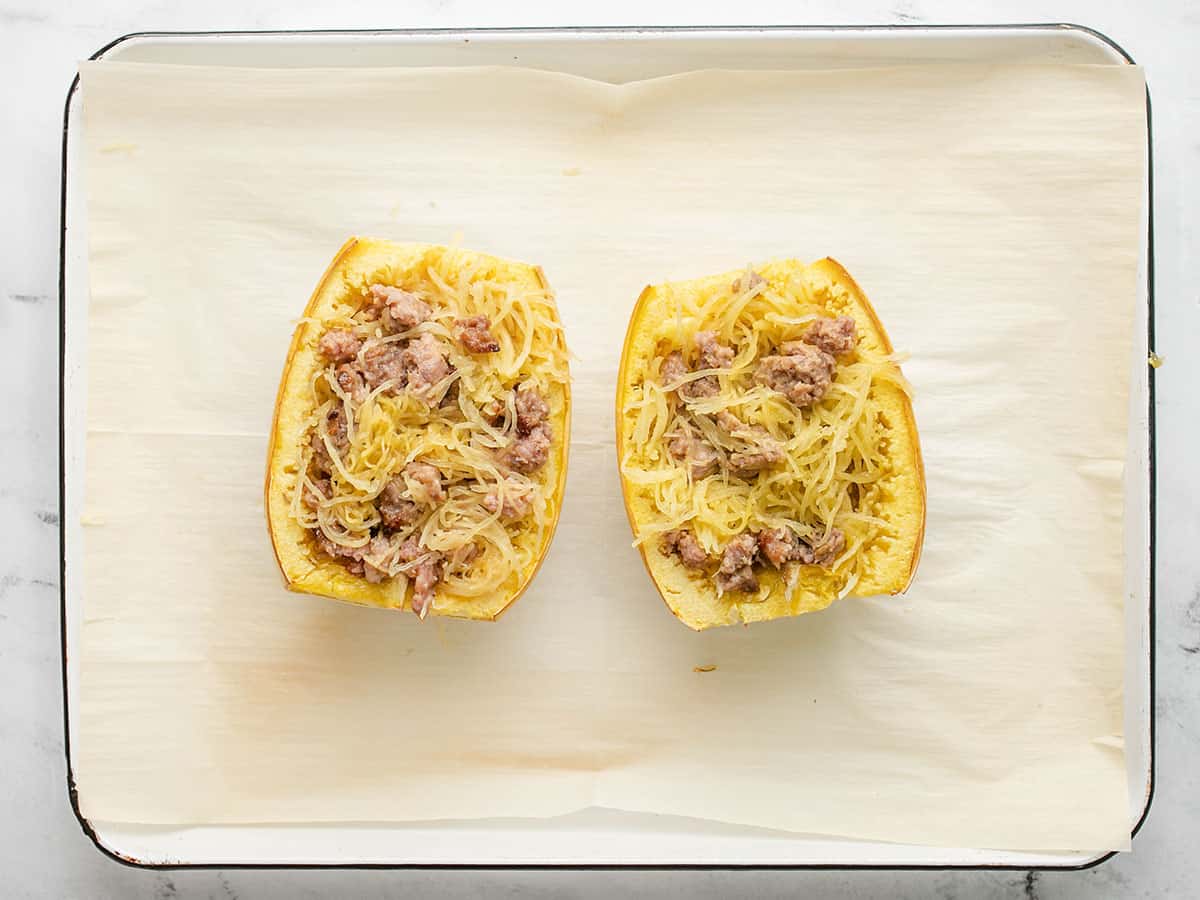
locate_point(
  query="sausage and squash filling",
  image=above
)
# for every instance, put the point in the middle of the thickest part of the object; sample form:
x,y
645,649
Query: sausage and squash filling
x,y
756,453
422,464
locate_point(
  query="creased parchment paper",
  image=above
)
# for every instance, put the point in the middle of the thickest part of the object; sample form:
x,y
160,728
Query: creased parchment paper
x,y
991,213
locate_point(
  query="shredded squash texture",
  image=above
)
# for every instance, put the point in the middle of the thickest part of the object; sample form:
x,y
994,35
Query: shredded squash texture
x,y
461,427
835,450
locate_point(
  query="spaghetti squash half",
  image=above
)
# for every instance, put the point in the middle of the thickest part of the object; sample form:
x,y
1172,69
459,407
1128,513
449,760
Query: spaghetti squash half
x,y
768,454
419,449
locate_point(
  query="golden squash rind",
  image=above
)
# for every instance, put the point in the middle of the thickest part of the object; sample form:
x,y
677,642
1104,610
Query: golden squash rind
x,y
303,570
694,599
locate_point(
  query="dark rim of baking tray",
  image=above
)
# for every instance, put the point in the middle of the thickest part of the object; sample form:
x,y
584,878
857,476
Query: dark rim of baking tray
x,y
611,29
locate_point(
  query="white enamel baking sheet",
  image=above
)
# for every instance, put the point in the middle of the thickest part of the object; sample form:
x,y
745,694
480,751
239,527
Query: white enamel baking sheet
x,y
592,837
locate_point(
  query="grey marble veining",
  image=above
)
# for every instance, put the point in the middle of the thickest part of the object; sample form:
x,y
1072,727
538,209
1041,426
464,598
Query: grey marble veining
x,y
43,852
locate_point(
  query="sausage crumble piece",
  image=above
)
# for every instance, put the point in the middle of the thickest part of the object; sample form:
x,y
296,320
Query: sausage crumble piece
x,y
780,546
424,359
673,369
532,409
737,565
529,451
776,546
682,543
515,505
385,362
762,452
698,454
802,374
399,309
426,573
339,345
350,557
803,370
825,551
710,354
425,482
835,336
396,508
475,334
351,381
374,560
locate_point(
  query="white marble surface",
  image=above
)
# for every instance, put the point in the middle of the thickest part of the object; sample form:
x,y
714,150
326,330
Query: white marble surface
x,y
43,852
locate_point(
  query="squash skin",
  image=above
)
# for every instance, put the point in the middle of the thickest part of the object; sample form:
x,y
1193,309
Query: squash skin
x,y
305,571
693,598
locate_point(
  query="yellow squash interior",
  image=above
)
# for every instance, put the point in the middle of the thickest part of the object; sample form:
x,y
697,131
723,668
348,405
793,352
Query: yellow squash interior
x,y
360,262
884,562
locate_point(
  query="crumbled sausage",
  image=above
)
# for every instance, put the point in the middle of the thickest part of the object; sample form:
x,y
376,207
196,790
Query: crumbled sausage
x,y
779,546
728,422
339,345
425,360
385,362
399,309
741,551
683,543
737,565
532,410
748,462
426,573
396,509
516,504
373,559
764,451
673,368
705,386
699,455
792,348
825,551
475,334
320,489
426,482
712,353
335,426
835,336
742,579
350,380
411,549
529,452
350,557
531,447
322,462
803,376
420,365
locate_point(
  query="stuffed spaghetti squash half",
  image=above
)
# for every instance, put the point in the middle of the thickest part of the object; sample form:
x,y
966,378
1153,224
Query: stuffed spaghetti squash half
x,y
419,449
768,454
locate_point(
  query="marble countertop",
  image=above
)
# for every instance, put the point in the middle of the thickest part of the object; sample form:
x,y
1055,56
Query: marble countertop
x,y
43,852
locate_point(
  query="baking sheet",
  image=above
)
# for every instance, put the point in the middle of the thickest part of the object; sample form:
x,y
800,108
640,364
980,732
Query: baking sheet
x,y
1008,195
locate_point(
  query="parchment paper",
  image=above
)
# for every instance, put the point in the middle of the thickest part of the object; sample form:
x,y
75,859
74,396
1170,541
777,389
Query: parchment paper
x,y
991,213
